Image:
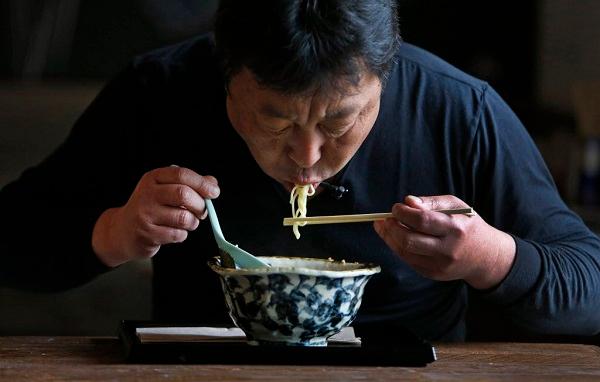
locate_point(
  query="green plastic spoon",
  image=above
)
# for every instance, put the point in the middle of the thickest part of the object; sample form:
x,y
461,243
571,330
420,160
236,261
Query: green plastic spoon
x,y
241,258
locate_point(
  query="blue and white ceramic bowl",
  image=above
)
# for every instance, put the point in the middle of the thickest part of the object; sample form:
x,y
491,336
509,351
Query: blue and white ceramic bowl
x,y
297,301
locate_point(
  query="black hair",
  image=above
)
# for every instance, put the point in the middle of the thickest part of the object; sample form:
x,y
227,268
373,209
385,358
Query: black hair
x,y
296,45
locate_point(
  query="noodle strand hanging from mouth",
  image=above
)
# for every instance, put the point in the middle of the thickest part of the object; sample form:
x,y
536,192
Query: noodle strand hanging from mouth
x,y
298,202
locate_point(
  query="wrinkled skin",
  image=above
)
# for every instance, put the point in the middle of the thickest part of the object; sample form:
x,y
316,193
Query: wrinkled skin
x,y
447,247
166,204
303,139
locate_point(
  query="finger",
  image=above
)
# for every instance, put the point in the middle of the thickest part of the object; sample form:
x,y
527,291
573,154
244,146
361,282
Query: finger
x,y
406,241
424,221
437,202
207,186
430,267
180,195
166,235
175,217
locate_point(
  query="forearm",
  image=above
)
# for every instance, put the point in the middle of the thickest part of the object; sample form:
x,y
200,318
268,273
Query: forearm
x,y
553,288
52,254
105,242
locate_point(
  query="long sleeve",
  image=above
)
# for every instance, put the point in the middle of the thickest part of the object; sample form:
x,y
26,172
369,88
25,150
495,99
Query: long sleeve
x,y
48,214
554,284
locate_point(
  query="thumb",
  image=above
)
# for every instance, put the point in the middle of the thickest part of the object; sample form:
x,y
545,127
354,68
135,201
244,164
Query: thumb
x,y
414,201
437,202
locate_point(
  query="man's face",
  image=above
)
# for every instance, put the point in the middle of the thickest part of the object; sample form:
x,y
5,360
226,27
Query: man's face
x,y
302,139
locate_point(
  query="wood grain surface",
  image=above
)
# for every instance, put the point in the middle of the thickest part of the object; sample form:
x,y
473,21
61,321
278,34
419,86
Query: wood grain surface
x,y
101,359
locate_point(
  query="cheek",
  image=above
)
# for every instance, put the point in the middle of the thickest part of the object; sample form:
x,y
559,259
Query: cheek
x,y
351,141
268,153
244,124
363,127
264,147
340,150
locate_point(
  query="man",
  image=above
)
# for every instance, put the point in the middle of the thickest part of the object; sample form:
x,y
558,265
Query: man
x,y
300,92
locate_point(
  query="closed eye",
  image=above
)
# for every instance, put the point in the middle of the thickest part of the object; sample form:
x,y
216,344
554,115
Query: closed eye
x,y
336,130
278,130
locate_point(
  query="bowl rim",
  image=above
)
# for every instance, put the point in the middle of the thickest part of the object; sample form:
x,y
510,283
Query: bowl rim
x,y
364,269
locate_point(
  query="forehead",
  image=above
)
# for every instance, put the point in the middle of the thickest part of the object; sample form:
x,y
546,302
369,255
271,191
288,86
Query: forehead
x,y
341,96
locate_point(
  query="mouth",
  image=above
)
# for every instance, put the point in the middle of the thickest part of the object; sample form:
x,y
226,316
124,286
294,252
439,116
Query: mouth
x,y
289,185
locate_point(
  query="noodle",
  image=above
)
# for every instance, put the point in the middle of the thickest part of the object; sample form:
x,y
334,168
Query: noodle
x,y
298,202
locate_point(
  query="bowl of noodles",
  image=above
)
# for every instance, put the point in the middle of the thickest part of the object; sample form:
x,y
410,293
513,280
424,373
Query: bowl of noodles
x,y
295,301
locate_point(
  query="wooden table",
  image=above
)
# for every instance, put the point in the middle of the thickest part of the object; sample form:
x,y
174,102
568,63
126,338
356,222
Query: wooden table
x,y
100,359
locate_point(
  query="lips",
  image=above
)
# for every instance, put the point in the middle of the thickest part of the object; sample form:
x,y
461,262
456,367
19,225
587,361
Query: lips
x,y
302,177
307,182
289,185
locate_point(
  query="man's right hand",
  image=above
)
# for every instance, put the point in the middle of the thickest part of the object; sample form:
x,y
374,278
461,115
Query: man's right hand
x,y
166,204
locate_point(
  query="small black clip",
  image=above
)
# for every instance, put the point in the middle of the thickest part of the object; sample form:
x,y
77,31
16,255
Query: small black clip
x,y
336,191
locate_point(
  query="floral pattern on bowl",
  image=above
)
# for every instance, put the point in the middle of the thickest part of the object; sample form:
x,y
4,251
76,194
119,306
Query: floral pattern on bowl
x,y
297,301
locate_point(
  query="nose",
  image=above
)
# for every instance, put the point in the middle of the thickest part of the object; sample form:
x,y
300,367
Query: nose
x,y
305,148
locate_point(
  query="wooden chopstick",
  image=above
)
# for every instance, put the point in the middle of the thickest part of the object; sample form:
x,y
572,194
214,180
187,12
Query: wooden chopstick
x,y
362,217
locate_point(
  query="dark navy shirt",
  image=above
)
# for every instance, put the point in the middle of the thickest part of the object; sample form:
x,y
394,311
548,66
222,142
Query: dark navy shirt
x,y
439,131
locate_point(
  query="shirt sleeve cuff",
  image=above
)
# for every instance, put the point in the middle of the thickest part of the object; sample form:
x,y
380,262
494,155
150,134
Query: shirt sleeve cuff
x,y
520,279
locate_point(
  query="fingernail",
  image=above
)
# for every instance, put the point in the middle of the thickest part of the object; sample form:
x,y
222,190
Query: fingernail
x,y
213,190
415,199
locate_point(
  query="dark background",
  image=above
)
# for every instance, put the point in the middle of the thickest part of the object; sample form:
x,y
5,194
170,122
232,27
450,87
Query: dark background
x,y
542,56
494,40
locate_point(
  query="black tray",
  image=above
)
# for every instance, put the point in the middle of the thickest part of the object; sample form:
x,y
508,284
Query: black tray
x,y
382,345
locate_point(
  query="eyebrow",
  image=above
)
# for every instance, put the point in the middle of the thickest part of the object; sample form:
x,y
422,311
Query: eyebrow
x,y
270,111
342,112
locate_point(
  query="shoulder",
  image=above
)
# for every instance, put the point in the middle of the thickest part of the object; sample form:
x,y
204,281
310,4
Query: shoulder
x,y
430,100
179,53
430,69
425,91
186,61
